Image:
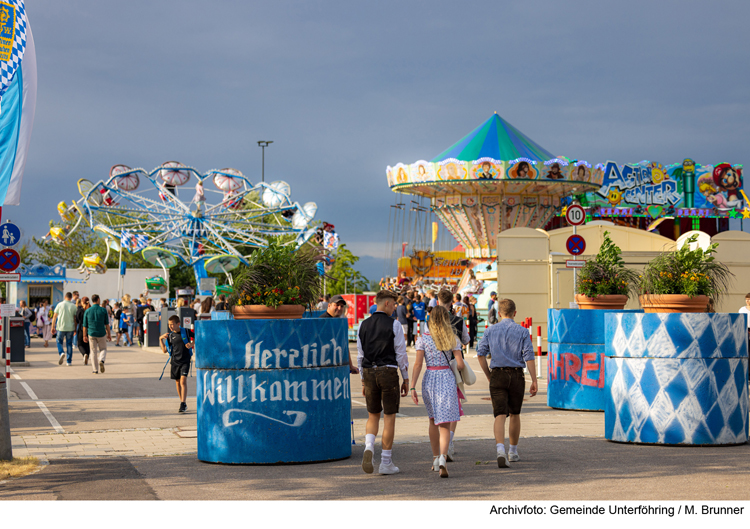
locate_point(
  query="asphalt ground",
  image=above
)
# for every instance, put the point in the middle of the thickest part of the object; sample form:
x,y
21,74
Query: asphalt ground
x,y
562,469
564,454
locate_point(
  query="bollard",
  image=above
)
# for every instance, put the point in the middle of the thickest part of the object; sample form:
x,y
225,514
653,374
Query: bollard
x,y
539,350
7,367
6,448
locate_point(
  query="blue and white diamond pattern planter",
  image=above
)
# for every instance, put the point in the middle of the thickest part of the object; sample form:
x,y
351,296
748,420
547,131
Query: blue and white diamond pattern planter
x,y
676,378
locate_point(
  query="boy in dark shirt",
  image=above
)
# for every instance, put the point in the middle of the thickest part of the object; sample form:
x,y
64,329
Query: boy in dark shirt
x,y
180,353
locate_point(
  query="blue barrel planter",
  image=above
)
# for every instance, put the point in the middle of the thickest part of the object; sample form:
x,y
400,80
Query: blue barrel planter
x,y
273,391
676,379
575,359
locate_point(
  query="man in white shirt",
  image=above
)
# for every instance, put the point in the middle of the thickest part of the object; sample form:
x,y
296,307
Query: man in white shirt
x,y
381,354
746,310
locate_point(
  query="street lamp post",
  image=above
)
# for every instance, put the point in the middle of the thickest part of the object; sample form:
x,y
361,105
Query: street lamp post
x,y
263,145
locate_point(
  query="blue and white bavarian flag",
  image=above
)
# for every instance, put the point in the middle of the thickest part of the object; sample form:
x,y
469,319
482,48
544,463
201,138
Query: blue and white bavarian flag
x,y
17,97
133,242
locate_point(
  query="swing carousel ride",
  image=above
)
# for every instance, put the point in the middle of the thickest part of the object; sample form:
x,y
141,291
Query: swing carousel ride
x,y
207,229
496,178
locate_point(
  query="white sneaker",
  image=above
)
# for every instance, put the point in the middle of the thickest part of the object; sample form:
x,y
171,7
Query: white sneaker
x,y
390,468
436,464
61,360
513,457
443,467
502,460
451,453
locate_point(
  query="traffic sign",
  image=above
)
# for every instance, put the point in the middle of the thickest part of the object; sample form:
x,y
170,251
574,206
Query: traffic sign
x,y
575,245
4,278
10,234
575,215
9,260
571,263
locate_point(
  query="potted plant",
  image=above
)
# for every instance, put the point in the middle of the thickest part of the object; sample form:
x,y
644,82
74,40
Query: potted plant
x,y
278,282
684,281
604,282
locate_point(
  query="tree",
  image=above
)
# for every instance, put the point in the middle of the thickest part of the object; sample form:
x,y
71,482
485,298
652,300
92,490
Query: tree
x,y
343,278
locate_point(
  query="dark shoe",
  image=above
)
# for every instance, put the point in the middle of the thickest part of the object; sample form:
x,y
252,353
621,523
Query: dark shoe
x,y
101,367
183,407
85,360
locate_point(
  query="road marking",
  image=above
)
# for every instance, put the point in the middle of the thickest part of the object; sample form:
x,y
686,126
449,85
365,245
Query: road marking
x,y
29,391
50,418
45,411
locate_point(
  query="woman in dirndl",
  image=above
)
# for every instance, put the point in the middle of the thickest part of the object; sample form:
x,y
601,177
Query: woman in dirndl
x,y
439,389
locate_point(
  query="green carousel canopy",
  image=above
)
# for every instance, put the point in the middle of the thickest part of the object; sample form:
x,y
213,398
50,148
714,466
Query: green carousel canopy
x,y
496,139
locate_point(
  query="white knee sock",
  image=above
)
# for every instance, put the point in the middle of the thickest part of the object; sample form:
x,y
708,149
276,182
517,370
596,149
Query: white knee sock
x,y
452,436
500,448
370,441
385,456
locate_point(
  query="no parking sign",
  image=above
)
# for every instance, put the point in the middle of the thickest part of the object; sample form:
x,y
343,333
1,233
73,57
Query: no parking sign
x,y
575,245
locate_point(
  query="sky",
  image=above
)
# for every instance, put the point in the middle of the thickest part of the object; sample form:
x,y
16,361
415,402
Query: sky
x,y
344,89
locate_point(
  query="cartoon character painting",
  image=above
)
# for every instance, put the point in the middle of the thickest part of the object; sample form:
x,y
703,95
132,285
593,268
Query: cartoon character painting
x,y
401,176
614,196
554,172
523,170
708,189
580,173
486,172
452,171
729,180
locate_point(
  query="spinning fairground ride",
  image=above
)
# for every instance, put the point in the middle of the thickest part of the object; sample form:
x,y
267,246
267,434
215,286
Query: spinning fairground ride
x,y
211,227
497,178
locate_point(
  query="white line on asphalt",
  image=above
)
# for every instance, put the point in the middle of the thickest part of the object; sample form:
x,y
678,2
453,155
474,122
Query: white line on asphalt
x,y
45,411
50,418
358,402
29,391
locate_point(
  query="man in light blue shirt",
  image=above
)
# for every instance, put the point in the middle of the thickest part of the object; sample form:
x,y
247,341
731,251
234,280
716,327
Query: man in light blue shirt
x,y
509,345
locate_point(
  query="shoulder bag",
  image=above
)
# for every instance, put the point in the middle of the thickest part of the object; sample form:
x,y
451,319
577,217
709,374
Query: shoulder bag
x,y
454,368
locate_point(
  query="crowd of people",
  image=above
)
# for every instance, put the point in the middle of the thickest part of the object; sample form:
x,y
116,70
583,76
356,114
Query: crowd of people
x,y
64,322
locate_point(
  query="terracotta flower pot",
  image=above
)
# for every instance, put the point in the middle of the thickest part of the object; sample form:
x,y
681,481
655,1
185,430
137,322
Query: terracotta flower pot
x,y
261,312
673,303
608,302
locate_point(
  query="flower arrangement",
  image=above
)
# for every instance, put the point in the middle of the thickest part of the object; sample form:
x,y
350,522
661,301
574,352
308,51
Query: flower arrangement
x,y
606,274
277,275
688,272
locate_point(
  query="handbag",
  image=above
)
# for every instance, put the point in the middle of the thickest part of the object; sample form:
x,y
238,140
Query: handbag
x,y
467,374
454,368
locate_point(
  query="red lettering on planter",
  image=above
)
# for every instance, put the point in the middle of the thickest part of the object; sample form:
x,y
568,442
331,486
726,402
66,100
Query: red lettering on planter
x,y
572,366
601,372
589,364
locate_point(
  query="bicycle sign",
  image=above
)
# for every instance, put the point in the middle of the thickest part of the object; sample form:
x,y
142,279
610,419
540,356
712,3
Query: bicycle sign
x,y
575,215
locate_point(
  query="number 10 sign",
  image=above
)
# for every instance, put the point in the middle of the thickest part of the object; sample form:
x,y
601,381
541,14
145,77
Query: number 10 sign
x,y
575,215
